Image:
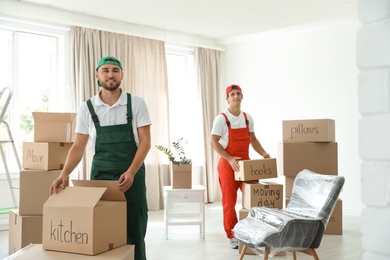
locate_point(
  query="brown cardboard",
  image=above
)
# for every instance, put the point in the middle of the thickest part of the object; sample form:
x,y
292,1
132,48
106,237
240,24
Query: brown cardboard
x,y
34,190
83,220
54,127
23,230
256,169
335,224
35,251
262,194
317,157
288,186
181,176
314,130
44,155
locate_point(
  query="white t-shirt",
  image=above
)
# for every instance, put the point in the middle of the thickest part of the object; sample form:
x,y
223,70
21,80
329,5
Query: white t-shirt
x,y
112,115
220,127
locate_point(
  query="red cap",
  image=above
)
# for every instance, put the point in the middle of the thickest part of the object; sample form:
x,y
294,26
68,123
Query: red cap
x,y
231,87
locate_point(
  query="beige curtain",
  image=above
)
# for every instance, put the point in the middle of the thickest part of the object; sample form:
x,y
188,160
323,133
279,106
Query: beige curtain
x,y
207,64
145,75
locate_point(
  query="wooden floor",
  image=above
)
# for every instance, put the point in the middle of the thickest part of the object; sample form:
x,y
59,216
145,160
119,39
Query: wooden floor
x,y
185,242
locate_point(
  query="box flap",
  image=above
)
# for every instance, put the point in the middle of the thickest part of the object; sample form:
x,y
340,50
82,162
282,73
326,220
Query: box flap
x,y
75,197
53,117
112,192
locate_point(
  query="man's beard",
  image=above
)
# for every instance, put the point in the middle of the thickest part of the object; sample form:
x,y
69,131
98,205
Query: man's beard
x,y
110,87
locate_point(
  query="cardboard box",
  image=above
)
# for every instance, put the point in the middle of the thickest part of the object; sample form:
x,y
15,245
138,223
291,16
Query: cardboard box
x,y
89,218
256,169
335,224
317,157
34,190
181,176
316,130
262,194
54,127
23,230
288,186
44,155
35,251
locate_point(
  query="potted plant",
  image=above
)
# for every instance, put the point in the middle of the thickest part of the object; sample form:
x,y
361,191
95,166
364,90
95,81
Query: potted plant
x,y
181,166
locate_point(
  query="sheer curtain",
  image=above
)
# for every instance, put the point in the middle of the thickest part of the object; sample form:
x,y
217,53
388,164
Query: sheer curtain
x,y
145,75
208,66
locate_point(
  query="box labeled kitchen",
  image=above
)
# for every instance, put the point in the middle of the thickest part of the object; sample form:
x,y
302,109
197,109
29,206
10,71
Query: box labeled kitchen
x,y
262,194
256,169
45,155
54,127
89,218
315,130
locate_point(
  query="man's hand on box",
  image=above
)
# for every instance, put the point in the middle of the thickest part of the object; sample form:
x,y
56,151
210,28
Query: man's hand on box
x,y
62,181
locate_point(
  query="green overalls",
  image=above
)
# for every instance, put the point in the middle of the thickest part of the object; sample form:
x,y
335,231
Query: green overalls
x,y
115,149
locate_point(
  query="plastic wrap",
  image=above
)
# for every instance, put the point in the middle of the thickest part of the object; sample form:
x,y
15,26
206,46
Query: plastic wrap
x,y
298,226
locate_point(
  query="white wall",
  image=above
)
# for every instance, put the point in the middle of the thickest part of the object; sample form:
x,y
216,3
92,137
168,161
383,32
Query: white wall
x,y
304,73
373,59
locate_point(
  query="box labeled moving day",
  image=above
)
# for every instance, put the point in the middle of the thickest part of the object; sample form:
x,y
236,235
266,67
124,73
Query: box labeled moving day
x,y
45,155
89,218
256,169
262,194
34,190
35,251
317,157
314,130
54,127
23,230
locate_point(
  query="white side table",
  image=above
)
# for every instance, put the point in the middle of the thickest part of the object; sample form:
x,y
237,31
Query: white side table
x,y
174,216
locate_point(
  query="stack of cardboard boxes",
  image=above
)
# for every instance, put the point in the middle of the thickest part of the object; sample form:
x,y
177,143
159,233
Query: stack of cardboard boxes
x,y
255,191
42,162
310,144
87,219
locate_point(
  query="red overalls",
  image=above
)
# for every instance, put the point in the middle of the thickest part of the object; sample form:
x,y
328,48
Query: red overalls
x,y
238,146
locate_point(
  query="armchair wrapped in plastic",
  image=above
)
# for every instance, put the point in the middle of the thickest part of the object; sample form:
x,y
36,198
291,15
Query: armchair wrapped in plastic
x,y
298,227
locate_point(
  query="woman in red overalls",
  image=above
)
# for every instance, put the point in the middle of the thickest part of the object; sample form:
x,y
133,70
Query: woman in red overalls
x,y
231,136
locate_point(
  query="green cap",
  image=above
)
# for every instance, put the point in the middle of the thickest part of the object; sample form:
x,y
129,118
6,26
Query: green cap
x,y
109,60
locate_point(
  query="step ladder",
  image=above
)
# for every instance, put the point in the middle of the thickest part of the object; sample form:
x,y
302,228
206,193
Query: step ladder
x,y
7,92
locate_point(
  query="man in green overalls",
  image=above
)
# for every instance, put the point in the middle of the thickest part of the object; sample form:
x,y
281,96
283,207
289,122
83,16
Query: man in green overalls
x,y
117,124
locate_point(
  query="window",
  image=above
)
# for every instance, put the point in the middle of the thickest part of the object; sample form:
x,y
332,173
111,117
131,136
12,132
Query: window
x,y
184,102
33,69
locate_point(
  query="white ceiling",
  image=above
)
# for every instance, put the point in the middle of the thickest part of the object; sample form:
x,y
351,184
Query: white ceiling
x,y
215,19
